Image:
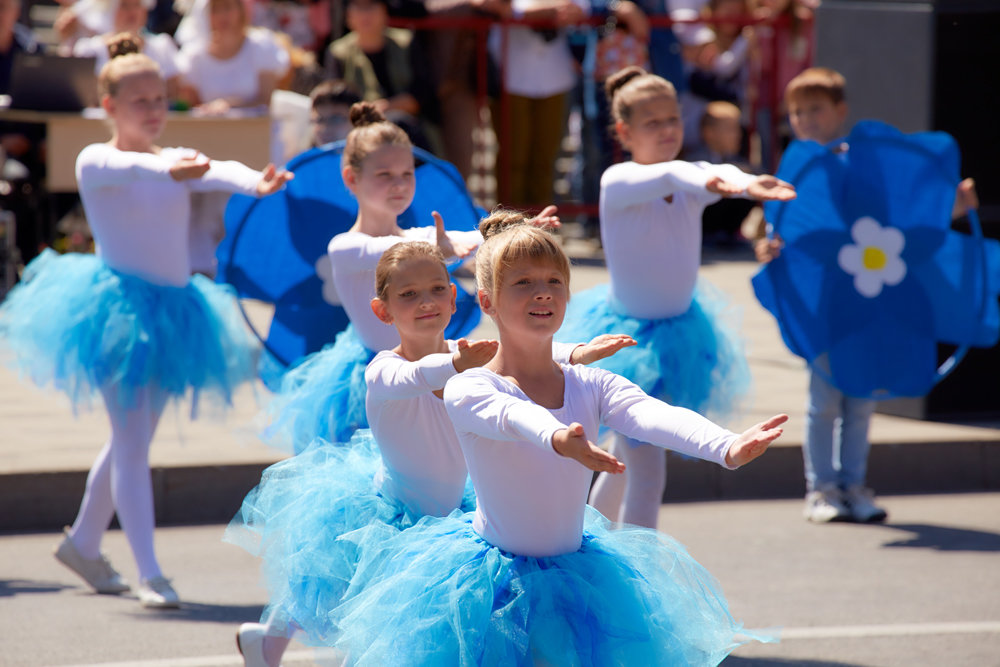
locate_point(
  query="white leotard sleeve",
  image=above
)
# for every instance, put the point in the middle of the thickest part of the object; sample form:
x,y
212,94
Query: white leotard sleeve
x,y
475,406
391,377
629,410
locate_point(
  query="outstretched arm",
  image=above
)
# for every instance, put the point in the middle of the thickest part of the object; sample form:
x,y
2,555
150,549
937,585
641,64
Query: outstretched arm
x,y
754,441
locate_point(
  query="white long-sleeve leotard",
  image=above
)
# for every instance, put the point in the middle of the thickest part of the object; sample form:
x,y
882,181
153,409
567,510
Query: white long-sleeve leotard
x,y
353,257
530,499
653,247
423,465
139,214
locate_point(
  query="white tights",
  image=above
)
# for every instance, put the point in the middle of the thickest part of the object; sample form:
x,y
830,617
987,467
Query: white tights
x,y
120,481
635,496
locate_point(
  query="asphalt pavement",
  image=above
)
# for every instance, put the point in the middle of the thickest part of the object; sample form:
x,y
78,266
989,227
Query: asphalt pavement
x,y
918,591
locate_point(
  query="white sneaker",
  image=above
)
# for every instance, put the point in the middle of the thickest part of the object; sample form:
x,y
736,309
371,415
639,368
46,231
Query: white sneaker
x,y
826,504
250,642
861,502
97,571
157,593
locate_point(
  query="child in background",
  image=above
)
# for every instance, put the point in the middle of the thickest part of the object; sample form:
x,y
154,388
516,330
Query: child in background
x,y
688,354
721,136
533,576
131,322
330,115
296,519
836,446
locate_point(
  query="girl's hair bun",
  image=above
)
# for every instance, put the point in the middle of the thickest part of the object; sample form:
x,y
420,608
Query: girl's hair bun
x,y
365,113
500,219
123,44
617,81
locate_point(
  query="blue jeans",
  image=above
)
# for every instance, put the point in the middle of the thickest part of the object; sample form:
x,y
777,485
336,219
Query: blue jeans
x,y
836,444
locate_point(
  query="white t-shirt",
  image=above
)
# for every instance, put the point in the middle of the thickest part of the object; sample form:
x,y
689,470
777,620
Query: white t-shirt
x,y
160,47
139,214
653,247
530,499
353,258
536,67
237,77
423,465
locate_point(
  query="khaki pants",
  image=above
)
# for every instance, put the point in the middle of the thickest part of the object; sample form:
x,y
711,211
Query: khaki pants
x,y
536,130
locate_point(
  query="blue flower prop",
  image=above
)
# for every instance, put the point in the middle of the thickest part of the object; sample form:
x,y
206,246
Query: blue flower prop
x,y
872,277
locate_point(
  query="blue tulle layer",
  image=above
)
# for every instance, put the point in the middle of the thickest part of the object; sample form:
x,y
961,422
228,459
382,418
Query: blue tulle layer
x,y
694,360
79,325
309,519
322,397
438,594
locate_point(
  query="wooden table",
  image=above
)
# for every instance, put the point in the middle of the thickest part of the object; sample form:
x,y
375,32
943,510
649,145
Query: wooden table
x,y
244,138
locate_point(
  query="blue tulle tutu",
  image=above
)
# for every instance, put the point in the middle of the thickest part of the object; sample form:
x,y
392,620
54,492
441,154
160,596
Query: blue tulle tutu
x,y
438,594
694,360
81,326
309,520
322,397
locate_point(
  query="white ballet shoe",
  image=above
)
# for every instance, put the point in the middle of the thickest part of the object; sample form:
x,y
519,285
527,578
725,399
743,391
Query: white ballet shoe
x,y
250,642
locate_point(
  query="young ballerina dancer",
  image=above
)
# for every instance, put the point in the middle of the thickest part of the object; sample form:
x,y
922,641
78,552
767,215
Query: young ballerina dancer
x,y
687,353
131,322
324,396
532,576
313,513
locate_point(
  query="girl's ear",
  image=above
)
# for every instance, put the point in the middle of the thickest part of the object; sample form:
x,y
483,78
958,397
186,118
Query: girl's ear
x,y
350,178
454,296
381,311
486,302
622,132
107,104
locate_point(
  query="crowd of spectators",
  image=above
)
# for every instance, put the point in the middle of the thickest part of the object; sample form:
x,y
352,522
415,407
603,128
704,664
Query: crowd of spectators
x,y
221,55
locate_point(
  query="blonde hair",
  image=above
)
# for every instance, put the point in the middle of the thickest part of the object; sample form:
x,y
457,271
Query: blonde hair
x,y
125,57
631,85
818,81
371,132
512,244
396,255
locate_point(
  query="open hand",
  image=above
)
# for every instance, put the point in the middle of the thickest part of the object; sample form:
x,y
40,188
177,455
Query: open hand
x,y
188,168
601,347
719,186
770,188
448,247
474,354
546,218
754,441
572,443
272,180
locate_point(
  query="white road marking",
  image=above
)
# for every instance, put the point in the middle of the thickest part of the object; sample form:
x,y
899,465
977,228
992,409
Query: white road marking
x,y
893,630
330,658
